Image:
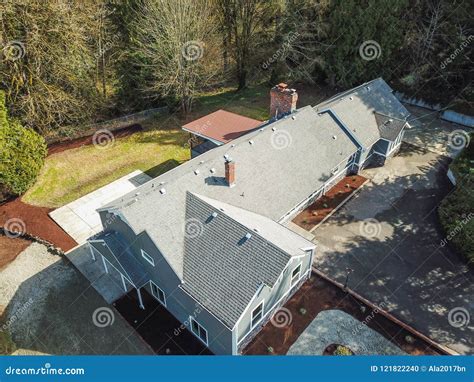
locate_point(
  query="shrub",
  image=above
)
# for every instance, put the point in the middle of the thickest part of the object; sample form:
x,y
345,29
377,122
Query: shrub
x,y
456,212
22,153
342,350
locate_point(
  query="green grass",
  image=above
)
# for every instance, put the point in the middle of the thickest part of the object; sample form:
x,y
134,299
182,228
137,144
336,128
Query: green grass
x,y
71,174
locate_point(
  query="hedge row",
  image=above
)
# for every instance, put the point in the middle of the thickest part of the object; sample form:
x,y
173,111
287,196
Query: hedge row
x,y
456,212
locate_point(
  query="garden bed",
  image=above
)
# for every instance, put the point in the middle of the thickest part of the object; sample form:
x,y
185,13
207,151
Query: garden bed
x,y
158,327
326,205
317,295
35,221
10,248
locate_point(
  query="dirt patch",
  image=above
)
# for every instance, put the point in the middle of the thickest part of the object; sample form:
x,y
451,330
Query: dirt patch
x,y
35,221
10,248
158,327
317,295
84,141
321,208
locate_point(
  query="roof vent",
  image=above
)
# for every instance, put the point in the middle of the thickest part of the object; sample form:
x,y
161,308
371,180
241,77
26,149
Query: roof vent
x,y
162,191
351,98
214,215
368,88
256,229
213,170
334,137
251,142
293,117
201,162
273,128
248,236
196,172
137,193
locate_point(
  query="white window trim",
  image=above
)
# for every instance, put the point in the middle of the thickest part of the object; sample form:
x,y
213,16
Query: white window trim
x,y
297,276
148,258
157,297
252,325
191,319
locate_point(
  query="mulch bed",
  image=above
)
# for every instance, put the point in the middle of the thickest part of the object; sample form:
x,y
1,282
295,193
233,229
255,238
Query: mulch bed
x,y
317,295
158,327
317,212
36,222
84,141
10,248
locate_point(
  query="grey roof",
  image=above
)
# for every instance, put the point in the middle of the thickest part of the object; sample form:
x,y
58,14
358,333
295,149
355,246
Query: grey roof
x,y
389,128
356,109
230,254
116,250
277,167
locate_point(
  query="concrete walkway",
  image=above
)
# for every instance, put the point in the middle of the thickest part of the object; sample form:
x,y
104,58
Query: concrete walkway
x,y
80,219
337,327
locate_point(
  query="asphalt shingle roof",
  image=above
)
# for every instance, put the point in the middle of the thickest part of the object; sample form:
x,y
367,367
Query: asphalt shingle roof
x,y
222,268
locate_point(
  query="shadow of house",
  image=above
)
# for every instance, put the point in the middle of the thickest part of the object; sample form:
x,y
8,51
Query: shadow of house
x,y
162,168
399,261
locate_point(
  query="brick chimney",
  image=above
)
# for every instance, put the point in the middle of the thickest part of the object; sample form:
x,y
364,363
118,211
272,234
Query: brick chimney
x,y
282,101
230,173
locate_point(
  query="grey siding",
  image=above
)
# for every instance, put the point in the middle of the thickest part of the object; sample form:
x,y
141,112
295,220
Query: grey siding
x,y
178,302
273,298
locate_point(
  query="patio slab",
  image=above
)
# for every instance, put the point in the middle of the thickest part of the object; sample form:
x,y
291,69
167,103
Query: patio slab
x,y
337,327
80,219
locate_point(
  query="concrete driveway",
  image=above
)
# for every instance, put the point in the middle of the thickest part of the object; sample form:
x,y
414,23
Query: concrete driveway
x,y
390,237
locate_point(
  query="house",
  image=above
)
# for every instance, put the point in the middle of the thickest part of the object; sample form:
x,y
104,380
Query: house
x,y
209,240
217,129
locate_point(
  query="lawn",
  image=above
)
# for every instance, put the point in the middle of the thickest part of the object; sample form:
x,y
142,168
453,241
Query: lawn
x,y
161,146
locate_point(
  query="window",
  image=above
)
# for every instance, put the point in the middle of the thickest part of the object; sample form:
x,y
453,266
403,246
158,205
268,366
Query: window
x,y
148,258
198,330
295,275
158,293
257,315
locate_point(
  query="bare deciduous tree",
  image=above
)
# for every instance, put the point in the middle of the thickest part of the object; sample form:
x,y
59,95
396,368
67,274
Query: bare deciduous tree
x,y
177,39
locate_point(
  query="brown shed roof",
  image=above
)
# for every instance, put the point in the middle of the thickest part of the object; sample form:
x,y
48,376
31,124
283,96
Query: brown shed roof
x,y
222,126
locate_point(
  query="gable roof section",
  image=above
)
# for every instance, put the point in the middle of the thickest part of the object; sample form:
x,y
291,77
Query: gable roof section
x,y
356,109
222,126
286,162
222,268
389,128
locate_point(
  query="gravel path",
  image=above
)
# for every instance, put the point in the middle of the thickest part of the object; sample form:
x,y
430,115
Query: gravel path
x,y
51,308
337,327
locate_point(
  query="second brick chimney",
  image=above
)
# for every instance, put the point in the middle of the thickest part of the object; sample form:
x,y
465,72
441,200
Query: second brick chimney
x,y
230,173
282,101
